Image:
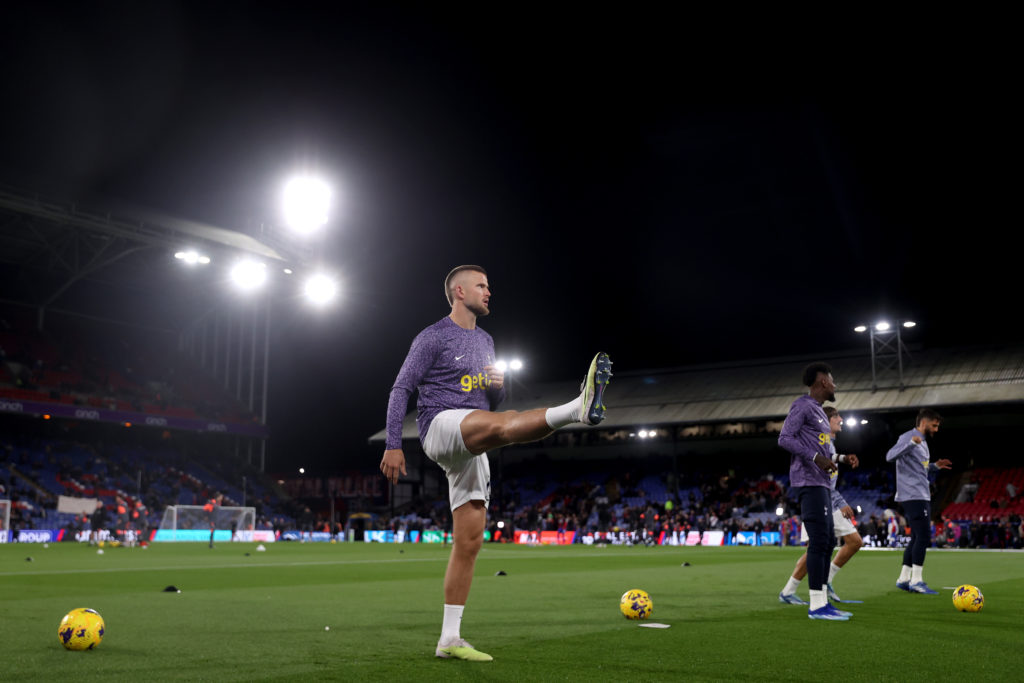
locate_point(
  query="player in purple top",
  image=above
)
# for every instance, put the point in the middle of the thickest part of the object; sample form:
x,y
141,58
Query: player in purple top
x,y
913,492
807,435
451,363
842,522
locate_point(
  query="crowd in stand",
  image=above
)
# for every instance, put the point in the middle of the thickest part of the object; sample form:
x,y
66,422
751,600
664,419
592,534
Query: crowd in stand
x,y
69,366
133,487
707,502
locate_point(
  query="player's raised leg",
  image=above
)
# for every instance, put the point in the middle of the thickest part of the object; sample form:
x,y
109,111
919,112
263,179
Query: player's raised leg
x,y
483,430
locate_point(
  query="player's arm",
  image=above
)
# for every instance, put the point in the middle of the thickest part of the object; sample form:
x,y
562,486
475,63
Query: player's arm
x,y
495,386
943,464
420,358
903,445
839,503
789,441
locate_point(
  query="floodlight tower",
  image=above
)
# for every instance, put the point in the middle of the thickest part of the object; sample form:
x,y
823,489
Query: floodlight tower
x,y
887,349
509,368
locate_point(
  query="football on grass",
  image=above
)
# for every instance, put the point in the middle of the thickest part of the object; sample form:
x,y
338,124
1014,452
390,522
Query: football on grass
x,y
81,629
968,598
636,604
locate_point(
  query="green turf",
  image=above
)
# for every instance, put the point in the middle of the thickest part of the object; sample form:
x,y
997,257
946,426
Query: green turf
x,y
553,617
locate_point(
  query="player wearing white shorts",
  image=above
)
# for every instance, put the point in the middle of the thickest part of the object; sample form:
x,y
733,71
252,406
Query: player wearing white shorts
x,y
842,516
451,364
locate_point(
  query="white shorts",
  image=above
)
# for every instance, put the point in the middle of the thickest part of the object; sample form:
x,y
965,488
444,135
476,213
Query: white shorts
x,y
843,526
469,475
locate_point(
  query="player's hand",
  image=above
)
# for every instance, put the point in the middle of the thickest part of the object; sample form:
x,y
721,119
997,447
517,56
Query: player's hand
x,y
495,377
824,463
916,439
392,464
847,512
944,464
852,460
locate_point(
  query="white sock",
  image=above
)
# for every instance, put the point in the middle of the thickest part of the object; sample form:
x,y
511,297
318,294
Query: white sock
x,y
452,621
565,414
904,574
817,599
915,574
832,571
791,586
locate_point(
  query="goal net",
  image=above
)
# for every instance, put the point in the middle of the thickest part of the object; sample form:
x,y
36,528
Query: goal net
x,y
5,520
192,523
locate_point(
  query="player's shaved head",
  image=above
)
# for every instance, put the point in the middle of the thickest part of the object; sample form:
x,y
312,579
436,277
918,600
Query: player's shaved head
x,y
454,278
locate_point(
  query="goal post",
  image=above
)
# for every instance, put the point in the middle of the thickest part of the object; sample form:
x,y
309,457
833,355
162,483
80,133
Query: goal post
x,y
192,523
5,521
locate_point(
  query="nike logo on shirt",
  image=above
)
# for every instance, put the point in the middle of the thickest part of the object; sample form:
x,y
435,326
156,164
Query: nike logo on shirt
x,y
464,355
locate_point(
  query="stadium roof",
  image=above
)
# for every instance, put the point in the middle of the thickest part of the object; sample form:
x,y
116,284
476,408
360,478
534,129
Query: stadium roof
x,y
764,389
119,265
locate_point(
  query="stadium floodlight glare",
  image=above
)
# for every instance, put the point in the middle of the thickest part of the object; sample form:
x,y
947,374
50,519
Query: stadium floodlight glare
x,y
516,365
307,201
861,328
321,289
882,326
500,366
302,470
249,275
192,257
864,422
779,511
851,422
909,323
642,433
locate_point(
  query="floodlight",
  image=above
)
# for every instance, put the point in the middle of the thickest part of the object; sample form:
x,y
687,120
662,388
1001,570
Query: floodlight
x,y
249,275
861,328
302,470
779,511
642,433
516,364
306,203
321,289
851,422
863,422
909,323
500,366
192,257
882,326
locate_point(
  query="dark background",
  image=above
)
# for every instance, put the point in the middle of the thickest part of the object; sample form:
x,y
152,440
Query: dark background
x,y
669,187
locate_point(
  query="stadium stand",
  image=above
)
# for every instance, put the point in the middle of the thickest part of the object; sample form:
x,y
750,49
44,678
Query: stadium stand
x,y
70,363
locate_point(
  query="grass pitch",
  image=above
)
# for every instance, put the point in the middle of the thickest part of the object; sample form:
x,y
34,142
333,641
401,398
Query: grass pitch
x,y
554,617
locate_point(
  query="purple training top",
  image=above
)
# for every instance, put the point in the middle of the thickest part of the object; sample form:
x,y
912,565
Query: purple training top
x,y
805,433
446,363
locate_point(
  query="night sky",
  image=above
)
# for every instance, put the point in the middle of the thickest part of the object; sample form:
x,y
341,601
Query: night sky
x,y
671,188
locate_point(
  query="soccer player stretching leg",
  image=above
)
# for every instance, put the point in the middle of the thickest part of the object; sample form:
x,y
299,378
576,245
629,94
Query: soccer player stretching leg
x,y
913,463
842,513
806,435
451,363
